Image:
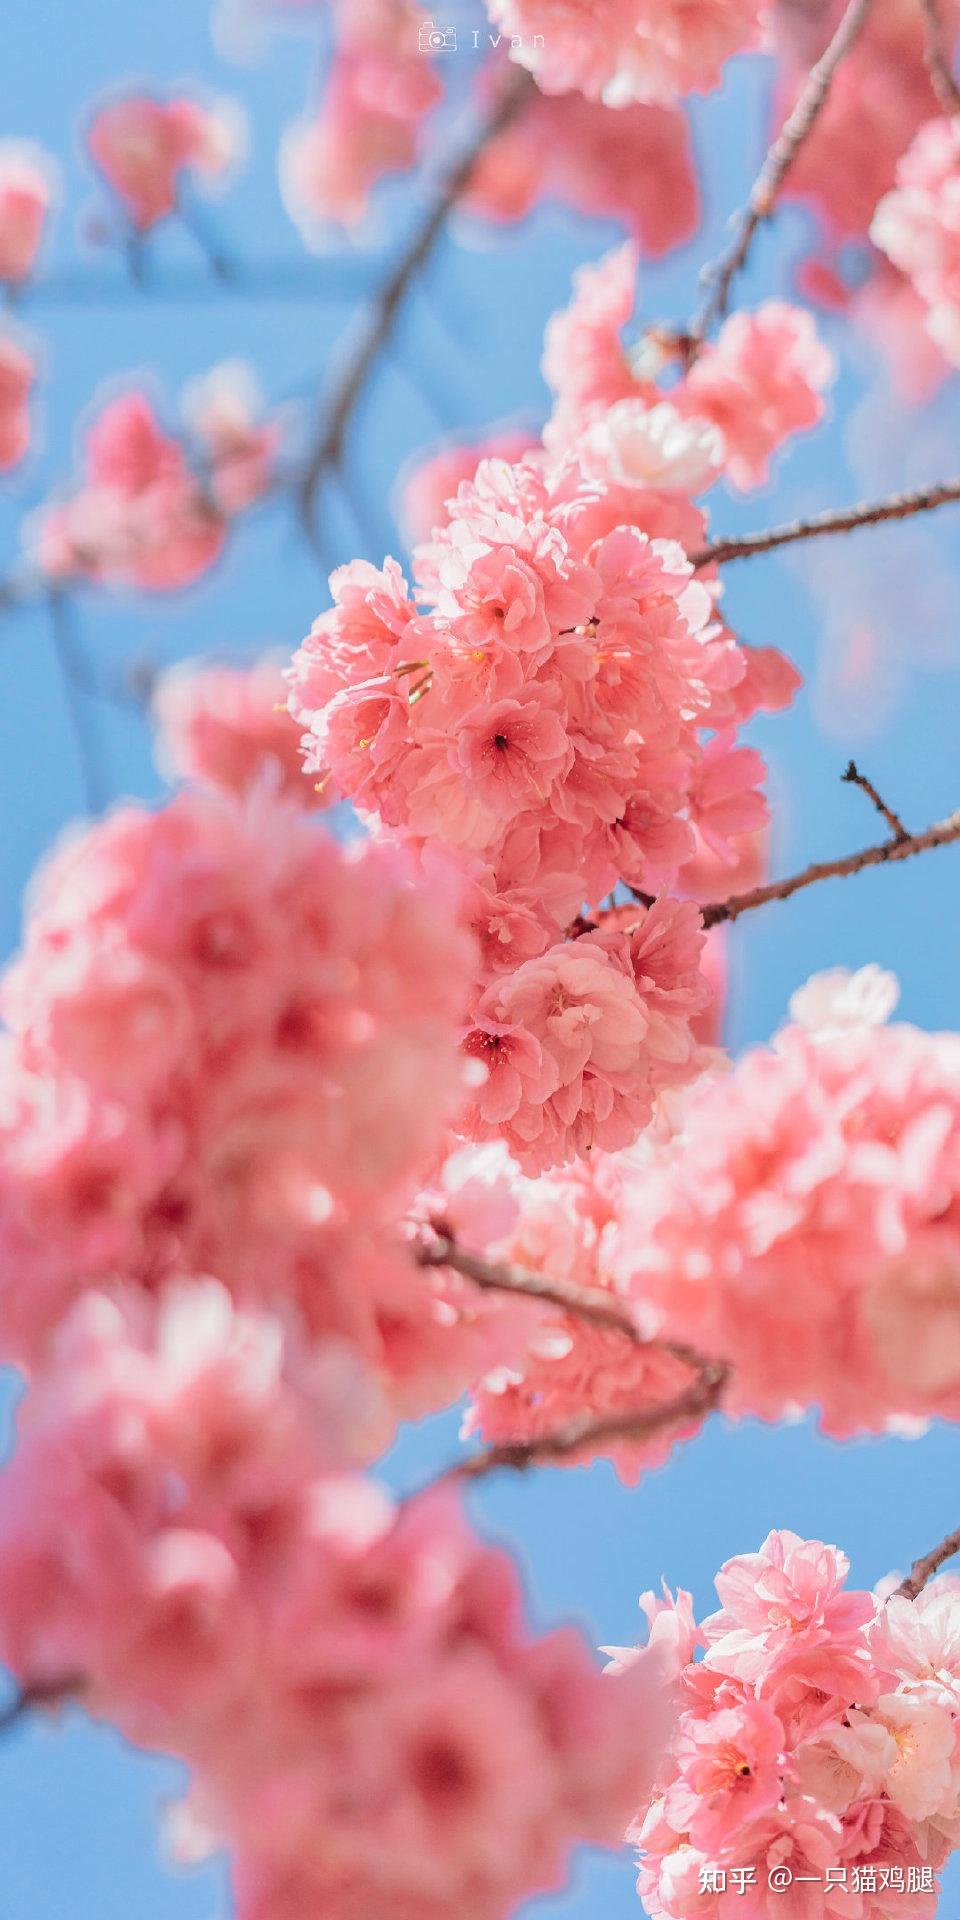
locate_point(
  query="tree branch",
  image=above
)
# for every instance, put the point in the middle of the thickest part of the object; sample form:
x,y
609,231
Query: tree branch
x,y
855,778
937,55
929,1564
900,506
595,1304
718,276
943,834
602,1309
695,1402
72,669
328,445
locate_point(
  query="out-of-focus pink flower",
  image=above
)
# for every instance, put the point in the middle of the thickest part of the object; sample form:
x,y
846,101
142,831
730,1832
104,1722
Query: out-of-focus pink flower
x,y
631,164
140,516
145,147
17,375
620,51
378,92
224,726
26,193
223,409
918,226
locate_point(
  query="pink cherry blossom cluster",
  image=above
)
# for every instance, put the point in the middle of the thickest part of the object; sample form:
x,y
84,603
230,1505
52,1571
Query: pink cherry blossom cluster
x,y
377,94
761,381
151,511
620,51
918,226
544,718
17,374
805,1226
815,1768
222,726
146,150
26,194
364,1715
556,1367
231,1047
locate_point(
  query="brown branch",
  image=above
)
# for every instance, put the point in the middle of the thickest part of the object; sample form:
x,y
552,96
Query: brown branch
x,y
718,276
943,834
855,778
327,449
602,1309
900,506
937,56
929,1564
696,1401
595,1304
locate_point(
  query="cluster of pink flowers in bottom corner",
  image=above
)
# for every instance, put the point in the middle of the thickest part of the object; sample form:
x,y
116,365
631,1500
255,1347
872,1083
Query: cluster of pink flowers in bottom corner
x,y
368,1724
814,1773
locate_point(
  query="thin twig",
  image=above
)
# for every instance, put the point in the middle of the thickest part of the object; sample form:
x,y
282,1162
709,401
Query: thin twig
x,y
943,834
855,778
595,1304
602,1309
799,124
72,669
900,506
937,56
929,1564
378,326
695,1402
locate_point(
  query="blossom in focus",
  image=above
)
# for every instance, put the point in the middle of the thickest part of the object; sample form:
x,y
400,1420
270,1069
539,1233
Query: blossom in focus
x,y
429,484
814,1767
146,149
26,193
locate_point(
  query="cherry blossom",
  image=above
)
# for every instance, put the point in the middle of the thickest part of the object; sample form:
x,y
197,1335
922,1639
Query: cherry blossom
x,y
214,1031
619,51
26,194
352,1684
224,725
803,1227
146,148
918,226
814,1769
17,375
379,90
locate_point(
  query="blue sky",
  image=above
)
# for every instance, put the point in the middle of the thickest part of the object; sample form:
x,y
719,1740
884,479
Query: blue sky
x,y
77,1810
